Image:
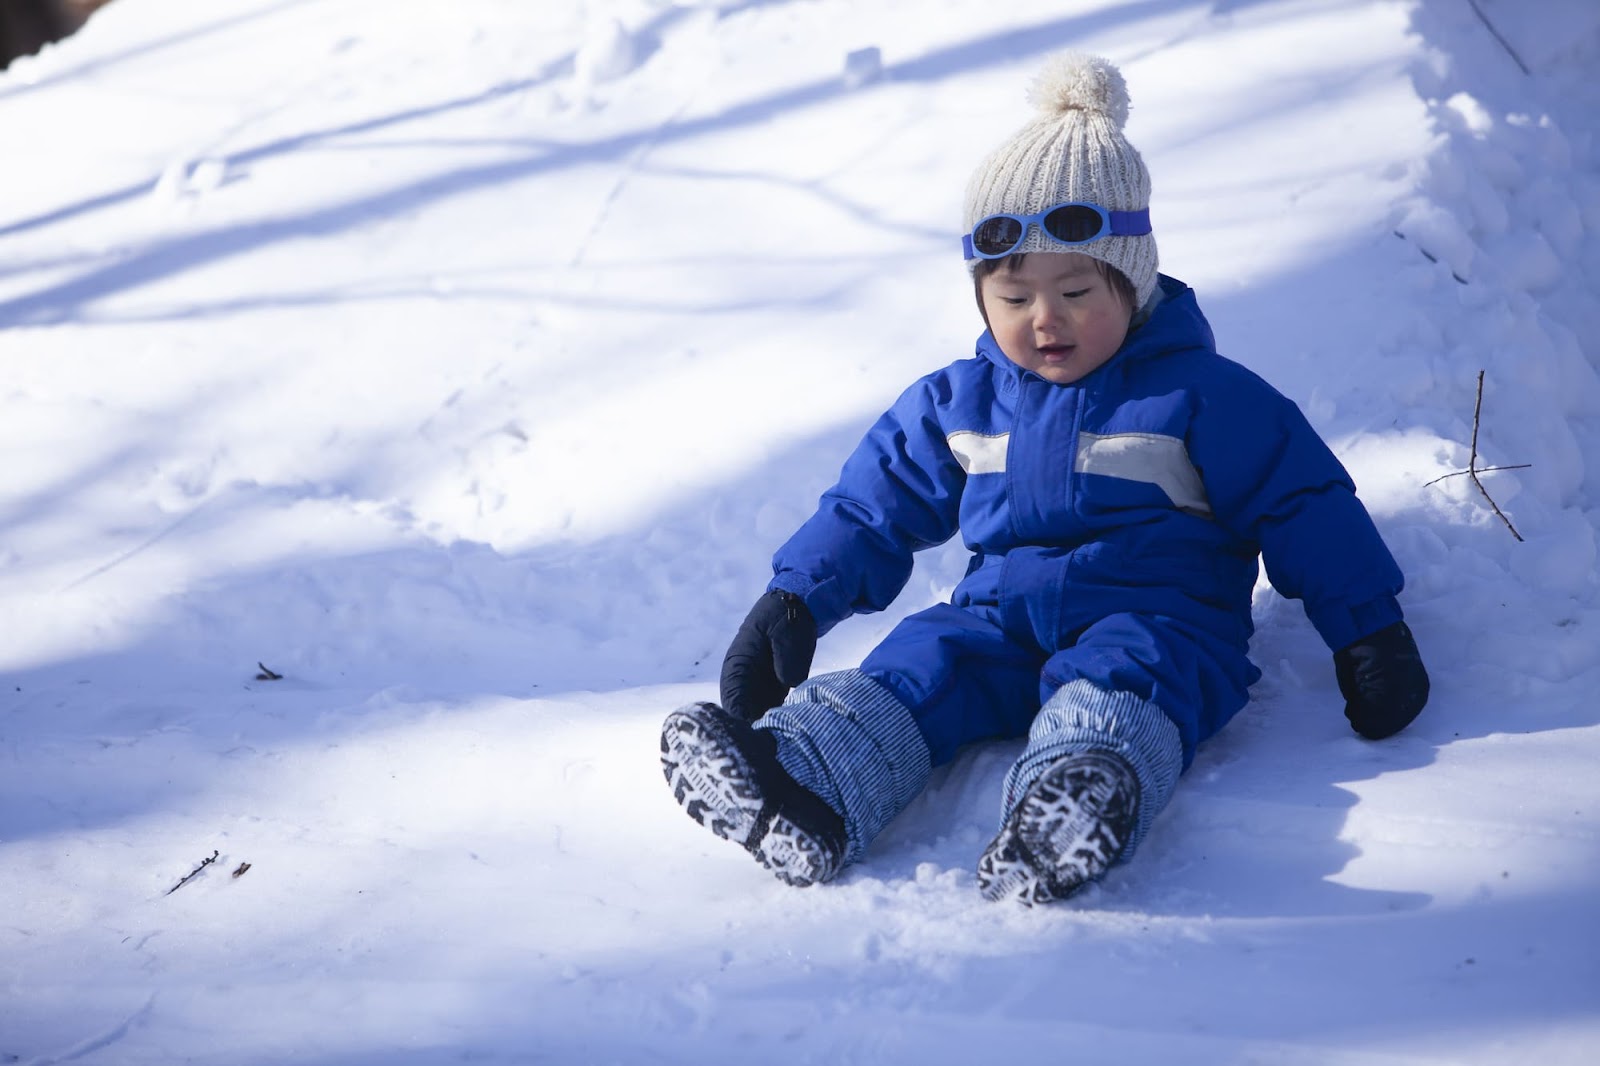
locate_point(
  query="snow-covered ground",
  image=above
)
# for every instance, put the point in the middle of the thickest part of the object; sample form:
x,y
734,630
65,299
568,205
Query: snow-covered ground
x,y
463,363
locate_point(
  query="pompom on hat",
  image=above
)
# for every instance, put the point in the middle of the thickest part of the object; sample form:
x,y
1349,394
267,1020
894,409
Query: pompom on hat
x,y
1072,151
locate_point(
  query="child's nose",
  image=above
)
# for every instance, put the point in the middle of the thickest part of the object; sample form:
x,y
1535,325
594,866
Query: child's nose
x,y
1047,314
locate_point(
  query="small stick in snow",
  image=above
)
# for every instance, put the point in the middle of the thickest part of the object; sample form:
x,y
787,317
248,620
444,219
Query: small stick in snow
x,y
267,673
1429,256
193,873
1512,52
243,866
1473,470
1481,470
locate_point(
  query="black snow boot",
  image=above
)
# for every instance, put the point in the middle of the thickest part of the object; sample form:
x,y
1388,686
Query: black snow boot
x,y
1067,830
726,774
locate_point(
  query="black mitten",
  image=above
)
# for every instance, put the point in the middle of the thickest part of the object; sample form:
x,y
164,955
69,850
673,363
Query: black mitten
x,y
769,655
1383,681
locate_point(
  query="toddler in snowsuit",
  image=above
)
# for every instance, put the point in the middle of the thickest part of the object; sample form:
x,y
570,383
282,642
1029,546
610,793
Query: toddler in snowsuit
x,y
1115,480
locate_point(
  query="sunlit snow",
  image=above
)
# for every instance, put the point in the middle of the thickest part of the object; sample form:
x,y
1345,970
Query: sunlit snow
x,y
463,364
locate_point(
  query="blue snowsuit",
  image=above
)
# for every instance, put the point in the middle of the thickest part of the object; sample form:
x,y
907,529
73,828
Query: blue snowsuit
x,y
1114,525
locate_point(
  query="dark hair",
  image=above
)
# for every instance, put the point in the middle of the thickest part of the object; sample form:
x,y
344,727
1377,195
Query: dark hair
x,y
1120,285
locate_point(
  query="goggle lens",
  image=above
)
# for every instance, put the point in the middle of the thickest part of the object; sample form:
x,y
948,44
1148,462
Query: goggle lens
x,y
998,235
1074,224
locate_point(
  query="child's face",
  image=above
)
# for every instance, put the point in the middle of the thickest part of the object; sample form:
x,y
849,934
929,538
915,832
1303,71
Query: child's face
x,y
1055,315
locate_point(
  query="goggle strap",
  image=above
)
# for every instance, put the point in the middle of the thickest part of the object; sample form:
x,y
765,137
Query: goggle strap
x,y
1123,224
1130,223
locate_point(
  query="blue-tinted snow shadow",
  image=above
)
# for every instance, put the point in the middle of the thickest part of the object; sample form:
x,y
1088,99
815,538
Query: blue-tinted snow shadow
x,y
65,300
647,39
651,604
1433,983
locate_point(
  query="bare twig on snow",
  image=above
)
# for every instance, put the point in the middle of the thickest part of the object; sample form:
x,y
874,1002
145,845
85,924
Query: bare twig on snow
x,y
1473,469
1512,52
194,873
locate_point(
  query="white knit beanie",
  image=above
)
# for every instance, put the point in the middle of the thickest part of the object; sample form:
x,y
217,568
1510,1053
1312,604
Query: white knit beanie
x,y
1072,151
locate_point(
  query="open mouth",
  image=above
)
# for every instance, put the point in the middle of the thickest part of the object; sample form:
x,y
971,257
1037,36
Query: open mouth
x,y
1055,353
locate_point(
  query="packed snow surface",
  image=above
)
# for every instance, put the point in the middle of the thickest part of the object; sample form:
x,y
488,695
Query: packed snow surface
x,y
462,364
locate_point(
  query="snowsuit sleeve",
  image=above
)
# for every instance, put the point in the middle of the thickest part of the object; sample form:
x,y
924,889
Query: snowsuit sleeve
x,y
1271,480
899,492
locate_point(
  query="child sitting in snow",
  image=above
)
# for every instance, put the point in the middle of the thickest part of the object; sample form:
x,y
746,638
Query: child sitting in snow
x,y
1115,480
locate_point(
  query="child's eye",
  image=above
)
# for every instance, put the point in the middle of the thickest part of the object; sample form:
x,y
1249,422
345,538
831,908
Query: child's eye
x,y
1076,294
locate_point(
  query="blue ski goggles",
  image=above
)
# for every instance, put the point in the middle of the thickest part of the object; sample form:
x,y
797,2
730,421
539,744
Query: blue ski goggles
x,y
999,235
